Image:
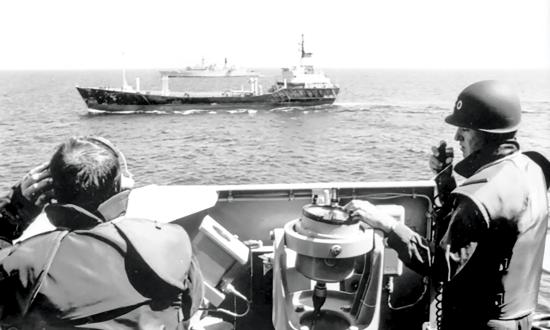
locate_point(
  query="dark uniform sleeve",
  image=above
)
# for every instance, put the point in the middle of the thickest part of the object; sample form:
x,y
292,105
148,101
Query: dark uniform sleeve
x,y
8,287
466,226
413,249
16,214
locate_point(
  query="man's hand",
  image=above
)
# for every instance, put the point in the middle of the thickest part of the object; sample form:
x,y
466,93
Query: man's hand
x,y
36,186
371,215
436,165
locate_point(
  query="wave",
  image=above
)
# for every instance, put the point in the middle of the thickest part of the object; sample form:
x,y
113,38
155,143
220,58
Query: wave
x,y
103,112
528,110
412,107
94,112
237,111
307,109
189,112
387,108
285,109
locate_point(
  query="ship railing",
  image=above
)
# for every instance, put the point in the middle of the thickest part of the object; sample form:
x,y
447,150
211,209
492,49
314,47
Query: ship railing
x,y
319,85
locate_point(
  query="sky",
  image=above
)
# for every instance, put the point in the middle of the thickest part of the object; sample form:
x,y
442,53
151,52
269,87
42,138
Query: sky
x,y
401,34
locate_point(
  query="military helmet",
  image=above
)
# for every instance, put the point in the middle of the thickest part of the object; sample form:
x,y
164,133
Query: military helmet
x,y
488,106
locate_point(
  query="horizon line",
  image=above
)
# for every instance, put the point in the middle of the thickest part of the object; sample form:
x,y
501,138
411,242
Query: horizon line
x,y
279,68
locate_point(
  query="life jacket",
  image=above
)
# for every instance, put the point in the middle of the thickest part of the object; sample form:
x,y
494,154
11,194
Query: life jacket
x,y
501,279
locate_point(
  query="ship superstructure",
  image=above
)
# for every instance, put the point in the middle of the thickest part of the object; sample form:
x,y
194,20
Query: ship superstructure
x,y
305,74
304,80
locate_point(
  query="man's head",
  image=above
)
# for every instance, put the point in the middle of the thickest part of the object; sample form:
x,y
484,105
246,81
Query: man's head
x,y
486,112
471,140
85,172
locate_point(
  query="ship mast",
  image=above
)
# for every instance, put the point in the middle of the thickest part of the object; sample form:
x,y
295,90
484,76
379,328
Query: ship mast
x,y
304,54
125,86
303,51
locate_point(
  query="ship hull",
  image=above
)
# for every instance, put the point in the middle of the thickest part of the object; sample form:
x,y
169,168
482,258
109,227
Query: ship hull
x,y
118,101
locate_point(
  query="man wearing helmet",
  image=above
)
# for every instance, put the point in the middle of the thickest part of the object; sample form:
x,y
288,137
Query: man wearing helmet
x,y
489,252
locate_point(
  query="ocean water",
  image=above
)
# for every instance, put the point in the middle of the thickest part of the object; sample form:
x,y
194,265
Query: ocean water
x,y
380,128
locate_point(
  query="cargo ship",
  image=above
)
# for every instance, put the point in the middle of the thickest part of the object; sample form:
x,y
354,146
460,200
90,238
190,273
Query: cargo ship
x,y
301,85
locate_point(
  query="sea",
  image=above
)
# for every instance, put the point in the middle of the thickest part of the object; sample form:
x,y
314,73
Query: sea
x,y
381,127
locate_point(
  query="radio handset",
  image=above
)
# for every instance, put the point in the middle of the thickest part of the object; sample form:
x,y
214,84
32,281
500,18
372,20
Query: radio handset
x,y
444,179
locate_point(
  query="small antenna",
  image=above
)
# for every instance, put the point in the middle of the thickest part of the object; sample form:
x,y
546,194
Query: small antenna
x,y
304,54
303,51
124,82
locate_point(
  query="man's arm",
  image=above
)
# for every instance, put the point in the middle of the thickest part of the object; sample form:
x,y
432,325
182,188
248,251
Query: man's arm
x,y
465,229
16,214
22,204
411,248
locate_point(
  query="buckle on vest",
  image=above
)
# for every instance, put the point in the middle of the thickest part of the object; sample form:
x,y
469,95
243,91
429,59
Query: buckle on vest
x,y
504,265
499,299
